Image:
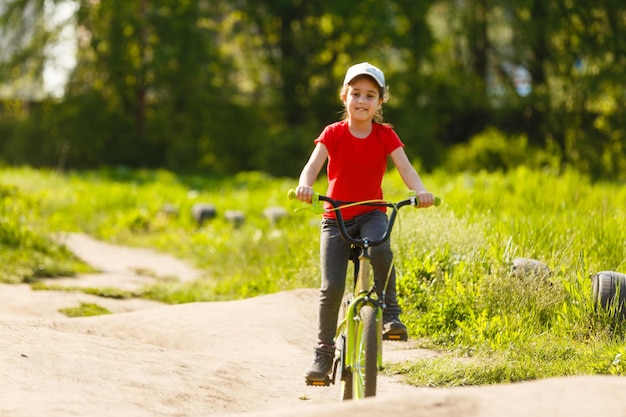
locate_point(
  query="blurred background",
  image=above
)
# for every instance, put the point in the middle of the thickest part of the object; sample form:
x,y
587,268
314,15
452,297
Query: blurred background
x,y
223,86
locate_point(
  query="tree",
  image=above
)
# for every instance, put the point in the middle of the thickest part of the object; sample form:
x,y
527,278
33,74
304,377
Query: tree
x,y
22,48
224,86
576,57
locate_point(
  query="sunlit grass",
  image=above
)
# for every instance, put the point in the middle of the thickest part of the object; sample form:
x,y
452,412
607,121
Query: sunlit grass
x,y
455,278
85,310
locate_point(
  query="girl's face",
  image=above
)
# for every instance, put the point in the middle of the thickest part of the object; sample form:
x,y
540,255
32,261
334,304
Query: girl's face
x,y
362,99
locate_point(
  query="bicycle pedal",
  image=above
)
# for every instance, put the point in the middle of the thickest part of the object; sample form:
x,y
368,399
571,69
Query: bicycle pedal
x,y
396,337
318,383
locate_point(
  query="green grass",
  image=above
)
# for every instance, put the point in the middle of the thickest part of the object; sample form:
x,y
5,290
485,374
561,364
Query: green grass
x,y
85,310
106,292
455,278
28,248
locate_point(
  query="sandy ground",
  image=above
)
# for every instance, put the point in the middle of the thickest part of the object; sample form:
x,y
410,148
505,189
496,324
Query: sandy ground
x,y
239,358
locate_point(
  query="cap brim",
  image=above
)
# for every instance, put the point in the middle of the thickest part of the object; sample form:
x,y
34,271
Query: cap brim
x,y
369,74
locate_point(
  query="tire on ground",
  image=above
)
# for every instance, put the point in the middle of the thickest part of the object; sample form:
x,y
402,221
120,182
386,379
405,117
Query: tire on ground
x,y
609,292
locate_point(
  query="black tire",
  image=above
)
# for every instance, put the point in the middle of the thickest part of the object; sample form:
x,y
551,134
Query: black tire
x,y
609,292
366,367
346,375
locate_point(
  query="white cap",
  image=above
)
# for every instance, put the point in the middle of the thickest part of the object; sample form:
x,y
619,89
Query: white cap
x,y
365,68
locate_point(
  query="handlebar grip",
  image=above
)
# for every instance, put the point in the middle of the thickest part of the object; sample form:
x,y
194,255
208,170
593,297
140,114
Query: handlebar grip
x,y
436,202
315,200
291,194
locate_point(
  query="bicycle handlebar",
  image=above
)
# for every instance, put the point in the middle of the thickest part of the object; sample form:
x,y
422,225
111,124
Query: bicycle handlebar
x,y
337,205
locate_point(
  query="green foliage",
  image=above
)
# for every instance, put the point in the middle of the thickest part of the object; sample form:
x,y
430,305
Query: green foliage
x,y
456,283
106,292
85,310
463,296
492,150
28,249
519,363
221,87
128,207
469,295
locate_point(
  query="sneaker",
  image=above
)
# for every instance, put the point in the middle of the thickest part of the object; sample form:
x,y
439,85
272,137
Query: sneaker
x,y
322,364
393,328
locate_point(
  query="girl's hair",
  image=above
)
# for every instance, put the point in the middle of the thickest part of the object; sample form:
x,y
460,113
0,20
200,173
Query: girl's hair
x,y
382,91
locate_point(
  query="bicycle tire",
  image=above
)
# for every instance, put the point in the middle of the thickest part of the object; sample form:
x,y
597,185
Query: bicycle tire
x,y
609,292
365,370
346,374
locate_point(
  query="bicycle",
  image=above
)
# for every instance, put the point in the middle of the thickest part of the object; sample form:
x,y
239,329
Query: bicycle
x,y
358,356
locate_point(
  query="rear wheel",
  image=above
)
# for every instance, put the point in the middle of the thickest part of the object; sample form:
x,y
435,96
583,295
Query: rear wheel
x,y
346,374
365,367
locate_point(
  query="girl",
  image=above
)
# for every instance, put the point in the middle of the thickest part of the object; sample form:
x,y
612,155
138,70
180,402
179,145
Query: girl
x,y
357,149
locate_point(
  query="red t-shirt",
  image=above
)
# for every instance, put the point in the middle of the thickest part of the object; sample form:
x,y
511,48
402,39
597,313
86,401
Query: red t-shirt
x,y
356,166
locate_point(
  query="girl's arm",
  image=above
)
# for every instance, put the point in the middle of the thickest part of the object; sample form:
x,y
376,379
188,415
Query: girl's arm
x,y
410,177
309,173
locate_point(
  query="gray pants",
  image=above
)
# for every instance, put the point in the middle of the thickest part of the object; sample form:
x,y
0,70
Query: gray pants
x,y
334,257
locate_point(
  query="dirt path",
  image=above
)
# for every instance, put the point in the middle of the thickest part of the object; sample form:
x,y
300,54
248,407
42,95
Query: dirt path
x,y
208,359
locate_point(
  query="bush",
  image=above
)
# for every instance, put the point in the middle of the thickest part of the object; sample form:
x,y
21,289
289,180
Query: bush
x,y
492,151
27,250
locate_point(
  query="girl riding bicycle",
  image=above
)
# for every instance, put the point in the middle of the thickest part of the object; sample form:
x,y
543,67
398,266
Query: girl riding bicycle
x,y
357,149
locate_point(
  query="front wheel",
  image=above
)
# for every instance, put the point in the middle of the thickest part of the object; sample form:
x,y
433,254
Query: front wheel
x,y
365,367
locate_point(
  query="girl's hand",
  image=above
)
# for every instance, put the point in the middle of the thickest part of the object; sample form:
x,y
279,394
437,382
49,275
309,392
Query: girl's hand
x,y
304,193
425,198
